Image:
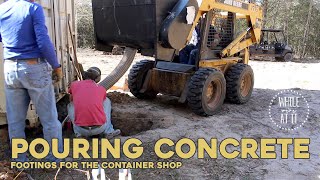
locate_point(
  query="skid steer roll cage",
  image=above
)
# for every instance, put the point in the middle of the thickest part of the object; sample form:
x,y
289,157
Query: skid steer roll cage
x,y
250,11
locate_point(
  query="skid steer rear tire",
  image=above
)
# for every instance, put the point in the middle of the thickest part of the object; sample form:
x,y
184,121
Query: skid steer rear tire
x,y
206,92
137,77
240,81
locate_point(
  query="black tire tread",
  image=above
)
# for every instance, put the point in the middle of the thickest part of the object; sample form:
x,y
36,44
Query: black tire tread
x,y
233,82
133,79
196,87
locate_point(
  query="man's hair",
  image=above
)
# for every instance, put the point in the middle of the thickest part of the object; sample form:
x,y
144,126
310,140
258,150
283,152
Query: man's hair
x,y
92,73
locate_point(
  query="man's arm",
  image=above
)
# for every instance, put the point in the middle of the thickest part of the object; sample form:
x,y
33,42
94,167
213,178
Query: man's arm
x,y
43,40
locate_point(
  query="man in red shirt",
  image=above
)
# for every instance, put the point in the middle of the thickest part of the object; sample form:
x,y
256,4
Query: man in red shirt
x,y
90,110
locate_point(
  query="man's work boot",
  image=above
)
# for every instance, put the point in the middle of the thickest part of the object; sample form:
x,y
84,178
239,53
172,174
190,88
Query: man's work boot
x,y
113,134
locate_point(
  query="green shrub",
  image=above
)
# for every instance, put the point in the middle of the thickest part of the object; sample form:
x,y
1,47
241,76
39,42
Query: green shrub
x,y
85,29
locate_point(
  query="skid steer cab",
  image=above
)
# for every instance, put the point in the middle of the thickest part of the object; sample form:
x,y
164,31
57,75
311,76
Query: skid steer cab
x,y
200,57
272,44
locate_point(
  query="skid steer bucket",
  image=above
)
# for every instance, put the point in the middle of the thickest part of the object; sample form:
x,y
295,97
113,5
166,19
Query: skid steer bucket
x,y
155,27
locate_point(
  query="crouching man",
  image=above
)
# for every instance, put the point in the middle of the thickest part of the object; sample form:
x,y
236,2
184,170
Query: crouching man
x,y
90,109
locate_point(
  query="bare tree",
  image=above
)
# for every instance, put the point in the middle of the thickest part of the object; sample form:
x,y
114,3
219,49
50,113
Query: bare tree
x,y
306,31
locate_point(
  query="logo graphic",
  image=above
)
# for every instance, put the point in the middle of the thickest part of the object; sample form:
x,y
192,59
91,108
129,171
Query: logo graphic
x,y
289,110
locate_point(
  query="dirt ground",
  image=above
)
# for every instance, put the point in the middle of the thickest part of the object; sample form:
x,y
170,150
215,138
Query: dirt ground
x,y
165,117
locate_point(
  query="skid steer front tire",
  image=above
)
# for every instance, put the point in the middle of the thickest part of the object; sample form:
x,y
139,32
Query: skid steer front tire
x,y
206,92
240,81
137,77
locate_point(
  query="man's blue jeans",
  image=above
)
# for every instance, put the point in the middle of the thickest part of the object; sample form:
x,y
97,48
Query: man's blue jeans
x,y
184,54
25,82
104,129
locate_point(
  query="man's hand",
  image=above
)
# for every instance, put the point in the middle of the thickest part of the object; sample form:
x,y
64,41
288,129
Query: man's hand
x,y
57,75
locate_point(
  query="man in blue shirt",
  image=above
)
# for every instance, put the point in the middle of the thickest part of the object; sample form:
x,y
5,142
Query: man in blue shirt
x,y
29,59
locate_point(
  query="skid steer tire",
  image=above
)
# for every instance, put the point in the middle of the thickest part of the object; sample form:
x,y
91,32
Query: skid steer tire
x,y
240,81
206,92
137,77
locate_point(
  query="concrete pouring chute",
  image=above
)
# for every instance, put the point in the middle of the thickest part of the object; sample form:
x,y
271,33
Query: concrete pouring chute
x,y
121,69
